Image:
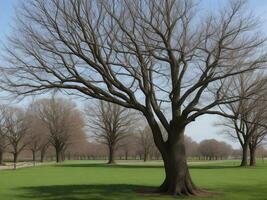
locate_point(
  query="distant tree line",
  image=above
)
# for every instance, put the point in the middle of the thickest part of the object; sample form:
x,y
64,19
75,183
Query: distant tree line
x,y
55,129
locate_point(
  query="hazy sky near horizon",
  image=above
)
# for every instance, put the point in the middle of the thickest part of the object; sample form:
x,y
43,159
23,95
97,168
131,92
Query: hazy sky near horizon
x,y
203,127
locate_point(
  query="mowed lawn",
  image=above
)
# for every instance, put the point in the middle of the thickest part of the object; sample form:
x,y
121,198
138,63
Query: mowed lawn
x,y
88,180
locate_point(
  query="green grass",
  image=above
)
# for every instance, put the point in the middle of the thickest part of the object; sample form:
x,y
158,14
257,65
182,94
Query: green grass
x,y
88,180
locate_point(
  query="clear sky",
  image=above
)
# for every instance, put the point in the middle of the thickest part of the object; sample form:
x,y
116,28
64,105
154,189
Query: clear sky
x,y
204,127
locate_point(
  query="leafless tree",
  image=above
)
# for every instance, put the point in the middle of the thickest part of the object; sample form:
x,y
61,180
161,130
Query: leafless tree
x,y
37,136
248,124
110,123
214,150
17,128
128,145
165,59
61,118
145,142
191,147
261,153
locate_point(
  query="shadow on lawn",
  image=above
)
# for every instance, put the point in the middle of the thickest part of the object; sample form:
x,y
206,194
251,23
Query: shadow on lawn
x,y
85,192
129,192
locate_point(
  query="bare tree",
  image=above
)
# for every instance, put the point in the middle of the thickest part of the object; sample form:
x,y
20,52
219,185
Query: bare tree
x,y
127,145
152,56
191,147
61,118
214,150
110,123
37,136
145,142
248,124
17,129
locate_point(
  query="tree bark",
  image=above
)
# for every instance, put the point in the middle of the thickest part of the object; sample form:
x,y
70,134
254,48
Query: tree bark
x,y
244,161
111,155
177,177
1,157
252,152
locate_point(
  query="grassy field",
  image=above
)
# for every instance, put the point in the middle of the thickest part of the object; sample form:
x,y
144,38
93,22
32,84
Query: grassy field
x,y
88,180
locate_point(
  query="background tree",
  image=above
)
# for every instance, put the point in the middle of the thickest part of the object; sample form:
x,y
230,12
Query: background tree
x,y
127,145
191,147
17,128
261,153
213,149
61,118
110,123
249,113
145,142
37,136
151,56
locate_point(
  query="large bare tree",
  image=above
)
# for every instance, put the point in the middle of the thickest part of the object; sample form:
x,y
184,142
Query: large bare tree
x,y
61,119
164,58
110,124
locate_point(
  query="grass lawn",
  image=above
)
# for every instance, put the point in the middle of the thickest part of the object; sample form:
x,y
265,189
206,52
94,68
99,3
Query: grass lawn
x,y
88,180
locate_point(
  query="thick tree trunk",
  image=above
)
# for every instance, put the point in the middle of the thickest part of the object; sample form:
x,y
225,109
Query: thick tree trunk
x,y
244,161
178,180
1,157
111,155
252,152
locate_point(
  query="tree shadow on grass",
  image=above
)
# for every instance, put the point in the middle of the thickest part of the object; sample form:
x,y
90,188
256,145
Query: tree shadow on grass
x,y
129,192
85,192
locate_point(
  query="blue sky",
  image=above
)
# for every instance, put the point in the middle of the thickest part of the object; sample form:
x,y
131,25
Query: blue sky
x,y
204,127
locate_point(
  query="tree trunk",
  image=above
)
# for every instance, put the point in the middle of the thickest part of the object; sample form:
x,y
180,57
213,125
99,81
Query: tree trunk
x,y
1,157
252,152
15,160
244,161
111,155
177,177
33,157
